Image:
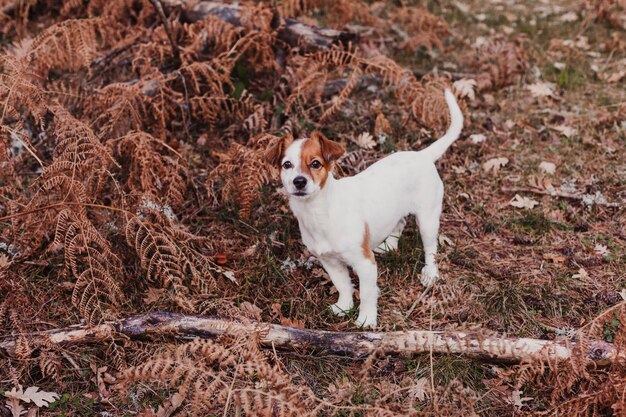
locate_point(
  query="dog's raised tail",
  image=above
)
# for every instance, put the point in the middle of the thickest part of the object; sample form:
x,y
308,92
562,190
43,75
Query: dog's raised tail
x,y
456,124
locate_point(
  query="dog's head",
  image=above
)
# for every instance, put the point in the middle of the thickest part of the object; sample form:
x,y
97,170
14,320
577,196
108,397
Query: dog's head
x,y
304,163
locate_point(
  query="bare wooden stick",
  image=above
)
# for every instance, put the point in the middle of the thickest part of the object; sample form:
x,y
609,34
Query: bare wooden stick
x,y
357,344
168,30
307,37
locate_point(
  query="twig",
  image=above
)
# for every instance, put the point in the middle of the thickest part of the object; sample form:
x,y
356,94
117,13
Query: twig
x,y
554,193
166,24
355,344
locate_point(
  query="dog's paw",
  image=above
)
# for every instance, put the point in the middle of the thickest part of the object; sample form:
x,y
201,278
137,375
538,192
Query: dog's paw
x,y
341,309
430,275
366,321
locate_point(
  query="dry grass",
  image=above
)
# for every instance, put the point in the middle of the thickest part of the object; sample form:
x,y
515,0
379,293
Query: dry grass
x,y
132,182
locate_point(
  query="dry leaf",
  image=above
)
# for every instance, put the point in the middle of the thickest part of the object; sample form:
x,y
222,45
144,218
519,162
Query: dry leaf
x,y
39,398
601,250
365,141
582,274
523,202
557,259
231,276
250,310
153,295
420,389
541,89
381,125
4,261
478,138
445,240
517,400
495,164
614,77
569,17
547,167
16,408
298,324
567,131
465,87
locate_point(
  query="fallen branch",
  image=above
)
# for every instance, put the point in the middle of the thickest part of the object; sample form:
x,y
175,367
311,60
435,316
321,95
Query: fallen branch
x,y
357,344
556,193
292,32
168,30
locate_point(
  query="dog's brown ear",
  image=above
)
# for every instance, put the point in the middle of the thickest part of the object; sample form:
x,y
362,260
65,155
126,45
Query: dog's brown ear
x,y
331,151
276,149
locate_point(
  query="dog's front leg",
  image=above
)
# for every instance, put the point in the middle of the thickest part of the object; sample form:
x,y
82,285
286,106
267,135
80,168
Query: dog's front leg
x,y
366,269
340,276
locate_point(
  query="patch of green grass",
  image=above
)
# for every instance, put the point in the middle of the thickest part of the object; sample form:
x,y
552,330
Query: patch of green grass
x,y
570,77
447,368
504,302
531,222
610,328
68,404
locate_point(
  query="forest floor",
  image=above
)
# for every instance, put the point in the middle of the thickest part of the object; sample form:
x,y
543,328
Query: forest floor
x,y
532,239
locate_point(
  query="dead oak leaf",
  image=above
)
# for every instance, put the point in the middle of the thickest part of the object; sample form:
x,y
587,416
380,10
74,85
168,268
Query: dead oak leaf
x,y
541,89
517,400
566,131
477,138
365,141
581,274
16,408
32,394
601,250
494,164
420,389
465,87
523,202
547,167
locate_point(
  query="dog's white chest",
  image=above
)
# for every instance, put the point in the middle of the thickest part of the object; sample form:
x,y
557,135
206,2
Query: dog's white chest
x,y
314,236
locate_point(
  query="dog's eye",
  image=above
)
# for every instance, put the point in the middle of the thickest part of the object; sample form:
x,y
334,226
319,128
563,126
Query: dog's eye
x,y
316,164
287,165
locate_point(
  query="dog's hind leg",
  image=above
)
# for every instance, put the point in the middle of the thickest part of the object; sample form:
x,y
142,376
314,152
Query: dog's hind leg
x,y
391,243
428,221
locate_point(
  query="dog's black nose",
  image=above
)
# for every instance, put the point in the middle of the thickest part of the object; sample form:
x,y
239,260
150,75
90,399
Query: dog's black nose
x,y
299,182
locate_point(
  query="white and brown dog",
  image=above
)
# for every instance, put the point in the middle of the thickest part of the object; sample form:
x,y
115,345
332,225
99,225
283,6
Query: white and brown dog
x,y
342,221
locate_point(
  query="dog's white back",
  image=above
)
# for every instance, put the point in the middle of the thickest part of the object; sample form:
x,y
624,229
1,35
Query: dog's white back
x,y
343,221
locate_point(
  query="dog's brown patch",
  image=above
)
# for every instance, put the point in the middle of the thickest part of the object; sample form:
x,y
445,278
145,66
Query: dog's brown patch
x,y
365,245
319,148
312,151
276,150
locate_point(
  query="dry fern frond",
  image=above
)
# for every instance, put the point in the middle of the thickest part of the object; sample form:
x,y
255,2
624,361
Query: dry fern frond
x,y
499,64
170,256
88,257
211,36
428,29
243,172
214,376
206,78
80,162
120,107
68,45
220,111
152,168
343,95
19,91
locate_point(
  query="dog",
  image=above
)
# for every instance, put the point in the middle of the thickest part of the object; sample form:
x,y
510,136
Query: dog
x,y
343,221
